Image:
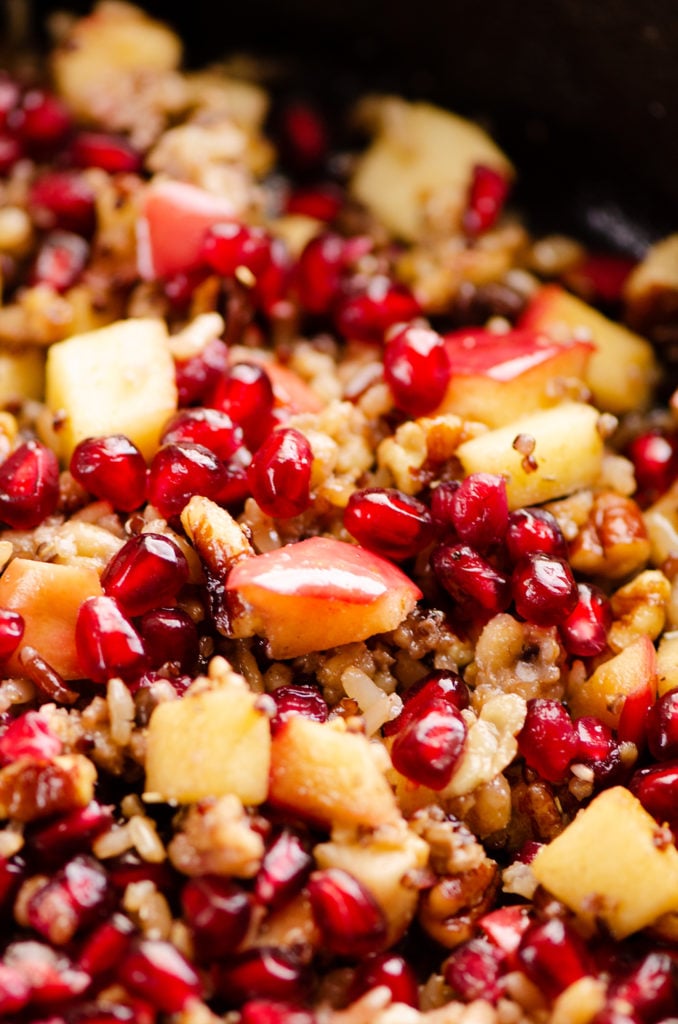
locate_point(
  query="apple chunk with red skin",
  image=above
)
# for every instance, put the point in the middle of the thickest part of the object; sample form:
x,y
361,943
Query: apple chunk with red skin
x,y
496,378
317,594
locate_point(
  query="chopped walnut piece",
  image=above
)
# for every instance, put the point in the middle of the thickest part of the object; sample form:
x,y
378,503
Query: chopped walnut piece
x,y
449,910
613,542
215,837
219,540
516,657
31,789
639,609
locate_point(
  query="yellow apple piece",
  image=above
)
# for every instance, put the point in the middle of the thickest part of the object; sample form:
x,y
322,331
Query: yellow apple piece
x,y
48,596
117,380
622,371
317,594
422,155
22,374
210,743
497,378
609,865
667,663
651,290
546,455
329,776
624,685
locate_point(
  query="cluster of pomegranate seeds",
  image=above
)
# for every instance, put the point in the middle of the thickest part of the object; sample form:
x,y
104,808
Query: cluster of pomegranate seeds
x,y
389,522
349,919
29,486
111,468
280,474
108,644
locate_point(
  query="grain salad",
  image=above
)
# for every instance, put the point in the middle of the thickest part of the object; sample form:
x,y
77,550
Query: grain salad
x,y
338,565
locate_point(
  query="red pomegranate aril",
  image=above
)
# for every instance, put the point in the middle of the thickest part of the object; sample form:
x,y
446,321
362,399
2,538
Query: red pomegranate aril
x,y
428,746
50,974
391,971
479,510
112,153
474,971
157,971
10,94
130,868
657,789
261,973
416,369
41,121
211,428
235,489
245,392
442,498
284,870
231,245
544,589
178,471
366,313
218,913
595,740
12,872
662,727
321,202
69,901
303,136
470,579
29,486
180,288
548,740
350,921
147,571
12,627
649,989
389,522
296,699
70,833
446,685
107,643
197,377
267,1011
584,631
60,261
11,151
170,637
272,283
15,990
280,474
318,273
111,468
506,926
553,956
655,461
105,1013
487,195
532,530
63,199
29,735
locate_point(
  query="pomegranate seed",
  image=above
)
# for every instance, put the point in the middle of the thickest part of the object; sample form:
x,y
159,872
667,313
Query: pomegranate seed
x,y
441,503
620,1014
553,956
280,474
157,971
304,140
180,288
29,486
178,471
595,741
50,974
390,970
69,901
272,283
12,627
506,926
649,989
267,1011
129,868
112,153
98,1013
544,589
657,790
60,261
532,530
10,95
147,571
350,920
318,272
106,945
321,202
584,631
427,747
209,427
662,727
487,195
12,874
218,913
389,522
107,643
197,377
246,394
298,700
479,510
11,151
235,488
71,833
284,870
548,740
655,462
41,121
446,685
261,973
366,313
170,637
601,276
417,370
474,971
62,199
230,246
29,735
111,468
470,579
15,990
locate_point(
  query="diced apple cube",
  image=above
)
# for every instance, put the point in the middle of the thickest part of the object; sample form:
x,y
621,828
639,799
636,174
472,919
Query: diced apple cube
x,y
667,663
317,594
209,744
117,380
612,863
22,374
630,675
651,290
622,371
567,453
48,596
328,776
422,154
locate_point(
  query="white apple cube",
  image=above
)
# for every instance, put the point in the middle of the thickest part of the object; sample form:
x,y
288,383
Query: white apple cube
x,y
609,864
117,380
566,453
631,674
22,374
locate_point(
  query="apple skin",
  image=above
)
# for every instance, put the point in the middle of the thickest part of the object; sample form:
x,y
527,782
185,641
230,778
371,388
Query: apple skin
x,y
175,217
317,594
496,378
620,690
